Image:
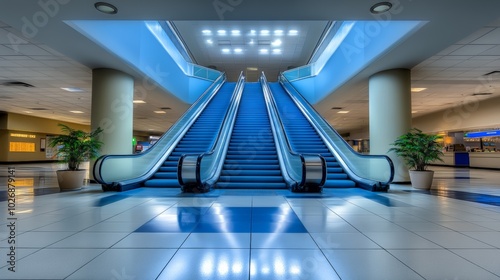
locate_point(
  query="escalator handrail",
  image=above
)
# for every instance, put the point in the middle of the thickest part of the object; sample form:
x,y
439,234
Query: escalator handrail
x,y
313,117
191,115
220,144
280,132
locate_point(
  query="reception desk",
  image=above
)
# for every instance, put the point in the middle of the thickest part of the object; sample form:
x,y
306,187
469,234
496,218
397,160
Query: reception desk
x,y
473,159
485,160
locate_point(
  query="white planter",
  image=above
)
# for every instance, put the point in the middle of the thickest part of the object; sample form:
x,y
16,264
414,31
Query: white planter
x,y
70,180
421,179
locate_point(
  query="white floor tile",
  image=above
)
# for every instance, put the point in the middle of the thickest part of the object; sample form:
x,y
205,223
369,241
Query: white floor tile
x,y
218,240
90,240
50,264
452,240
152,240
441,264
125,264
281,264
369,264
400,240
343,241
208,264
283,241
485,258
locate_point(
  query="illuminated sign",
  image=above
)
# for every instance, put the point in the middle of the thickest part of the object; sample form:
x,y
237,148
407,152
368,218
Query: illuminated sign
x,y
21,147
490,133
20,135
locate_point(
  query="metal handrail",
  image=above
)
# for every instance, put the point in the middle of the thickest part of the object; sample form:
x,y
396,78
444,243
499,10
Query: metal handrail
x,y
301,171
201,171
343,153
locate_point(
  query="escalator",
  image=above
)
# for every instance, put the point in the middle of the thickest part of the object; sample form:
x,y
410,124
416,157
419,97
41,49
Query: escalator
x,y
198,138
303,138
251,160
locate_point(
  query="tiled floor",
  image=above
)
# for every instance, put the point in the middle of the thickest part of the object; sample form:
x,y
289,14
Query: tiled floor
x,y
452,232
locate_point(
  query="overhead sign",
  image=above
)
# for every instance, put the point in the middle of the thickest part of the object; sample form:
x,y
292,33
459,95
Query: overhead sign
x,y
480,134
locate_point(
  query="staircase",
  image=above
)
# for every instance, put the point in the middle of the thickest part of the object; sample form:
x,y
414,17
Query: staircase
x,y
251,160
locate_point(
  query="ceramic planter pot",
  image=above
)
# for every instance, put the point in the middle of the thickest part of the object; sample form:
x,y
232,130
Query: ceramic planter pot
x,y
70,180
421,179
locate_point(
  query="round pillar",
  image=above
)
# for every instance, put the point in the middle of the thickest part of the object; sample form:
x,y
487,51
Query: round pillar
x,y
390,114
112,109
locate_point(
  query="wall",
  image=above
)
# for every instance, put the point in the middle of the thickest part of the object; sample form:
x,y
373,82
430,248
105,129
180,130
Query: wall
x,y
36,128
472,114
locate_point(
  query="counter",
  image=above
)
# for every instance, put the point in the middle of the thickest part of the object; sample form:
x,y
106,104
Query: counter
x,y
474,159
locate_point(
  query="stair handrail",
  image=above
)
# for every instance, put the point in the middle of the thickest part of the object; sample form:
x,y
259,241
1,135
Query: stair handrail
x,y
199,172
133,169
301,171
375,176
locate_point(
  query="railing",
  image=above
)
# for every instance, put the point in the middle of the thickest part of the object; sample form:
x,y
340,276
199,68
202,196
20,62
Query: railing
x,y
375,172
201,171
127,171
302,172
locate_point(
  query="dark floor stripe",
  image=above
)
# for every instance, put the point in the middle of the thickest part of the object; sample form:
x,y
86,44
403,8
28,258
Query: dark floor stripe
x,y
465,196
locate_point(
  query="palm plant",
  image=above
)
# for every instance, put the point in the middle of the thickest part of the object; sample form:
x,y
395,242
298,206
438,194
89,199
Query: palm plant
x,y
417,149
76,146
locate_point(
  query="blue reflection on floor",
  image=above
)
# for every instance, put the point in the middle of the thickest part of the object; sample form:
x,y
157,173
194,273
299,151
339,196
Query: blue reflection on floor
x,y
466,196
226,219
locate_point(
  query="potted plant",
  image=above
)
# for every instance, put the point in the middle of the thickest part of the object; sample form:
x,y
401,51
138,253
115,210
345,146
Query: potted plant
x,y
418,150
75,147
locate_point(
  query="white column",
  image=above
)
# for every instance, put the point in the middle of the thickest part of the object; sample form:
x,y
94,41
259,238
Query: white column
x,y
112,109
390,114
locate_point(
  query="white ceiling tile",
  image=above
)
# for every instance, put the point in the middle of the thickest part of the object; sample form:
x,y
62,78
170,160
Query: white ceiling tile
x,y
474,36
28,49
492,37
472,49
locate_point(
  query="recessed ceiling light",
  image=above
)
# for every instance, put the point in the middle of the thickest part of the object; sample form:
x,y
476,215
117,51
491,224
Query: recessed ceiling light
x,y
221,32
238,50
418,89
252,68
253,32
263,51
251,42
342,112
226,50
235,32
381,7
293,32
206,32
276,43
210,41
160,112
28,112
72,89
106,8
139,101
76,112
276,51
264,32
278,32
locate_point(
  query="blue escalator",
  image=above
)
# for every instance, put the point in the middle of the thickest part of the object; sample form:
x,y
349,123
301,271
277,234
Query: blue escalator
x,y
304,138
198,139
251,160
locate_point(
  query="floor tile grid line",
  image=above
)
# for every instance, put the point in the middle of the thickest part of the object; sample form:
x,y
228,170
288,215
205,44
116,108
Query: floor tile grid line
x,y
382,248
75,233
447,249
316,242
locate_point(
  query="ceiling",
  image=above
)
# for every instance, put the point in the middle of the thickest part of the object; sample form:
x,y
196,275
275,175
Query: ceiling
x,y
449,55
293,50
